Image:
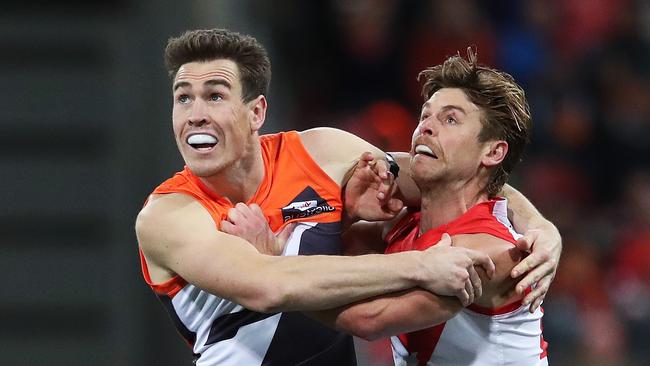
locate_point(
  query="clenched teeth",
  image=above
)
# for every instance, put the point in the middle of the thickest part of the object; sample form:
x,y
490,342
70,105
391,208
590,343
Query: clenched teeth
x,y
423,149
201,139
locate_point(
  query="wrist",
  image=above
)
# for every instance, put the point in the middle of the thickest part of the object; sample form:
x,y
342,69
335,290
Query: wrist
x,y
393,167
414,271
544,225
347,220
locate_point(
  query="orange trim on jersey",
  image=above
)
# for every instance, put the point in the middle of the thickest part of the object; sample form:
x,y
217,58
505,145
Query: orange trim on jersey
x,y
308,164
169,288
289,172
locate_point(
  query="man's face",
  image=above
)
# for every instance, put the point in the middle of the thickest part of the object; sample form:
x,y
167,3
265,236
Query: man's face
x,y
210,120
445,146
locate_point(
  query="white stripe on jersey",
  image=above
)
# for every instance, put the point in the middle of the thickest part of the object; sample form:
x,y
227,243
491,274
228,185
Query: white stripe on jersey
x,y
500,211
198,310
293,242
248,347
474,339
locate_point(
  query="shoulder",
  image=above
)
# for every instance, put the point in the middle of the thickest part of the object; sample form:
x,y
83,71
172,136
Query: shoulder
x,y
504,254
321,133
169,219
163,206
334,150
334,142
484,242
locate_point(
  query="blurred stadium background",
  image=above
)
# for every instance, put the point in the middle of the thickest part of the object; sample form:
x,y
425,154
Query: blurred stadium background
x,y
85,135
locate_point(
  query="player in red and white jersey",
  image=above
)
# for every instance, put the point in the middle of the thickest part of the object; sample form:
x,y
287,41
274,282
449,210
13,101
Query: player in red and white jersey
x,y
477,335
472,131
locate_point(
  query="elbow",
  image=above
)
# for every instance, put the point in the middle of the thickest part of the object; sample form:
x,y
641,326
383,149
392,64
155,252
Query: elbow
x,y
369,331
362,325
269,298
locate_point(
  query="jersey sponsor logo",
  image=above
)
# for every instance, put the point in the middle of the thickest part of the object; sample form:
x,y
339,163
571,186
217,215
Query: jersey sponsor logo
x,y
307,203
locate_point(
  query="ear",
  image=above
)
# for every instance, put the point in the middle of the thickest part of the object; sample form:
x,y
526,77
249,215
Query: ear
x,y
257,112
494,153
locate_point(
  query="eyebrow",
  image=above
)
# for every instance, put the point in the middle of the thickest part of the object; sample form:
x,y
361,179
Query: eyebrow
x,y
445,108
211,82
451,106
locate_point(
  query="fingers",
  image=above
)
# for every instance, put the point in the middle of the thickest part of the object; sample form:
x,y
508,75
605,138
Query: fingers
x,y
286,232
228,228
234,215
283,238
540,294
525,243
535,259
244,209
475,281
445,240
382,170
365,160
257,211
367,157
533,277
536,296
239,212
394,205
386,183
463,296
483,260
469,288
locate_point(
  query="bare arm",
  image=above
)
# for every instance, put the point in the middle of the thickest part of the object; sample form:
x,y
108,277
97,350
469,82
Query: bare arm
x,y
177,235
339,162
542,238
452,268
388,315
412,310
371,200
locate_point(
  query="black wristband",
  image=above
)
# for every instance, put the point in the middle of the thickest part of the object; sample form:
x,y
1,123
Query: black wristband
x,y
392,165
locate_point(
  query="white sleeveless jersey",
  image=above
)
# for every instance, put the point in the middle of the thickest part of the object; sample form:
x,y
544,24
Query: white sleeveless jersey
x,y
509,335
471,338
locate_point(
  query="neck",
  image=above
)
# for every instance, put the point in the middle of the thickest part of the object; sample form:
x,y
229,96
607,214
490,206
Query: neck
x,y
239,181
444,202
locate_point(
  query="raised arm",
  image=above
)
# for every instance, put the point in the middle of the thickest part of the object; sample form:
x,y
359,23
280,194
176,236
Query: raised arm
x,y
542,238
177,236
372,197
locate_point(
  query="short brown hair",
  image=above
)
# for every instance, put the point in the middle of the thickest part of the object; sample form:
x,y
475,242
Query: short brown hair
x,y
211,44
505,111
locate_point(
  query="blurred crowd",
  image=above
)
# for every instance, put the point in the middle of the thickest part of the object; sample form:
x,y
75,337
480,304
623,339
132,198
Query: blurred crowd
x,y
585,66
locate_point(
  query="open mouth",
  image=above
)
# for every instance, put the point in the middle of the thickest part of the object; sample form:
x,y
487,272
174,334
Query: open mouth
x,y
202,142
425,150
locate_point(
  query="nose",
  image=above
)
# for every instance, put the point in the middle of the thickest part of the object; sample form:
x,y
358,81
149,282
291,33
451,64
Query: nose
x,y
426,127
198,114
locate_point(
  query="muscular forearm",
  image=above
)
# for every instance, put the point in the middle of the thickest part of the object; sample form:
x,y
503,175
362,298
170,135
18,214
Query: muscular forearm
x,y
305,283
392,314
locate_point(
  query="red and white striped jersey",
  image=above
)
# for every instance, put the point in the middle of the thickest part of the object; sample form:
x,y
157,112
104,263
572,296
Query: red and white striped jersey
x,y
509,335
